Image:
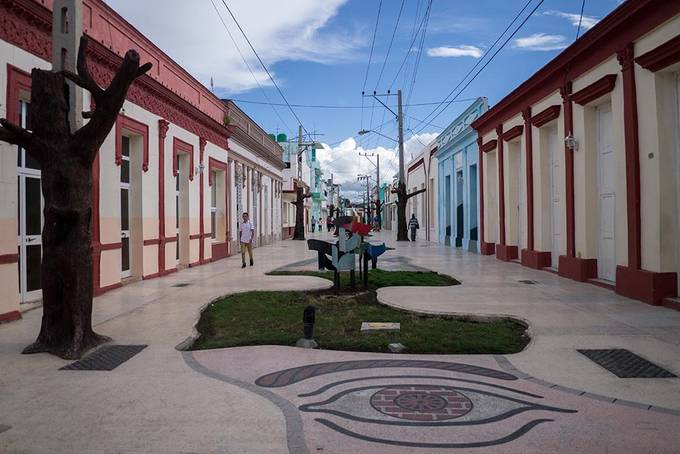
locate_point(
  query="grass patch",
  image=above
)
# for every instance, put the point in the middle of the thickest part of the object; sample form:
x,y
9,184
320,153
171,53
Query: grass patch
x,y
275,318
380,278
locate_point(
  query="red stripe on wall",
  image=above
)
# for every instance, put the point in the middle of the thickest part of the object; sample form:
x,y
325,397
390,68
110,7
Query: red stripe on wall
x,y
565,92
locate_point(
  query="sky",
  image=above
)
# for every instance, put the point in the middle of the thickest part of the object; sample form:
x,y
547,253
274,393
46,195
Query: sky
x,y
318,53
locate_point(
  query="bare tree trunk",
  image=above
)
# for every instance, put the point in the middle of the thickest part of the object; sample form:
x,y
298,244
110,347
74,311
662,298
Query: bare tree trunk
x,y
300,213
402,200
66,159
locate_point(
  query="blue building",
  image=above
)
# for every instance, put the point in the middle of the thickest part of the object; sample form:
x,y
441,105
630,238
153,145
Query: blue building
x,y
458,180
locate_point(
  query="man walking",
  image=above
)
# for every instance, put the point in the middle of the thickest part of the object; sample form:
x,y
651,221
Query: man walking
x,y
246,233
313,226
413,226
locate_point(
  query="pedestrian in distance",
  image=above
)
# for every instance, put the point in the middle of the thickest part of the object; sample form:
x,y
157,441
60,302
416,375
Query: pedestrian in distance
x,y
246,234
320,225
413,226
313,223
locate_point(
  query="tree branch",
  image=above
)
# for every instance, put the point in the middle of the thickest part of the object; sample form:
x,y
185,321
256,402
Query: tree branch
x,y
408,196
15,135
83,78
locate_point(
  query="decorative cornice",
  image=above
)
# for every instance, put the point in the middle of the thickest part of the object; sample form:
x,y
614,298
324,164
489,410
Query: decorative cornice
x,y
595,90
163,126
546,115
215,164
661,57
628,22
28,24
526,115
490,145
625,56
565,91
416,164
180,146
513,133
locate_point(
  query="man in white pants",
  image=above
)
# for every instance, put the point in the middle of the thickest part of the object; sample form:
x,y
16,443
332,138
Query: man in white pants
x,y
246,233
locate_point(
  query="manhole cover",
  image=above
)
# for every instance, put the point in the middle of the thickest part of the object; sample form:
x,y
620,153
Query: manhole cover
x,y
106,358
527,281
182,284
626,364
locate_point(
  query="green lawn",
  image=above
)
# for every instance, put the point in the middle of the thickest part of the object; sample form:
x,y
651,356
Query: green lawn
x,y
379,278
275,318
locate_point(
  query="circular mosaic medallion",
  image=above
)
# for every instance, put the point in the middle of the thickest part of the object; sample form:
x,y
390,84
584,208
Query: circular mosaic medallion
x,y
421,402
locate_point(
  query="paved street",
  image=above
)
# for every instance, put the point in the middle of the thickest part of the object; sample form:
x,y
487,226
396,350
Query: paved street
x,y
548,398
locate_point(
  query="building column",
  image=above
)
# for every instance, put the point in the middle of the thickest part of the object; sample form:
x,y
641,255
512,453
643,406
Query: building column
x,y
201,199
484,247
163,127
529,256
632,281
570,266
503,251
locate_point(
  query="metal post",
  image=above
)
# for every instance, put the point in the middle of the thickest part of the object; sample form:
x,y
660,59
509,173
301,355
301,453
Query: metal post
x,y
67,28
400,119
378,205
299,154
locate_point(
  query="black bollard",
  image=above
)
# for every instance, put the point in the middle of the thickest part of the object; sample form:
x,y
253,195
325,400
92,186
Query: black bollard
x,y
308,319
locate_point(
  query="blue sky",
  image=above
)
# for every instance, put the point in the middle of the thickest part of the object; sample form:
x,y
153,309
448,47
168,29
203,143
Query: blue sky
x,y
318,51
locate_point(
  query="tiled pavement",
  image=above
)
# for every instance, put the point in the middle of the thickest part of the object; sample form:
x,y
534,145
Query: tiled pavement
x,y
548,398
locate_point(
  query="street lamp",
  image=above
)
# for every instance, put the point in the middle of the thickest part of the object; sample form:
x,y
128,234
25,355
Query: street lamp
x,y
363,132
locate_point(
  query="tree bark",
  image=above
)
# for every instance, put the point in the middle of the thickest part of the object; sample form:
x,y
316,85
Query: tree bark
x,y
66,160
402,199
300,213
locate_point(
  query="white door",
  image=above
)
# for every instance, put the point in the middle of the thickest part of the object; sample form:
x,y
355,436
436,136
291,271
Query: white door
x,y
606,260
30,219
125,208
177,201
520,202
555,218
677,166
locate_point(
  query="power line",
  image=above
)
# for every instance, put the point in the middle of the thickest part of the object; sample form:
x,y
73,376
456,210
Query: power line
x,y
370,56
414,34
526,5
389,48
370,59
336,106
580,19
233,40
264,66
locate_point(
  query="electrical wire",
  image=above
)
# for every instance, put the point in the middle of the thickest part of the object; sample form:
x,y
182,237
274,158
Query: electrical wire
x,y
580,19
331,106
389,48
526,5
264,67
370,59
238,49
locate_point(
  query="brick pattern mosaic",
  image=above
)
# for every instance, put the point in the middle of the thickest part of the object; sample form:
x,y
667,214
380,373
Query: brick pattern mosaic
x,y
421,403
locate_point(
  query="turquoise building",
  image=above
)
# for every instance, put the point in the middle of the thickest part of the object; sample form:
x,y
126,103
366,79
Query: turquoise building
x,y
458,180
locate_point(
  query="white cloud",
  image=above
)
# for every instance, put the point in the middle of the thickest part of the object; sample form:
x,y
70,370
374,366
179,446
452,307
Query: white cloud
x,y
541,41
455,51
191,33
345,163
587,22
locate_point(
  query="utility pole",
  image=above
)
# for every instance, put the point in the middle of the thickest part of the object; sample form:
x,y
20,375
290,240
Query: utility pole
x,y
299,190
67,28
400,120
401,191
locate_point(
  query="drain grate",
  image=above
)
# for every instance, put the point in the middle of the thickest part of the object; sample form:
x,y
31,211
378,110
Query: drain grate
x,y
626,364
181,284
106,358
527,281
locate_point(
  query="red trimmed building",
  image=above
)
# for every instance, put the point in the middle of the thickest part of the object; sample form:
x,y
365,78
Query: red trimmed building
x,y
169,182
580,165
